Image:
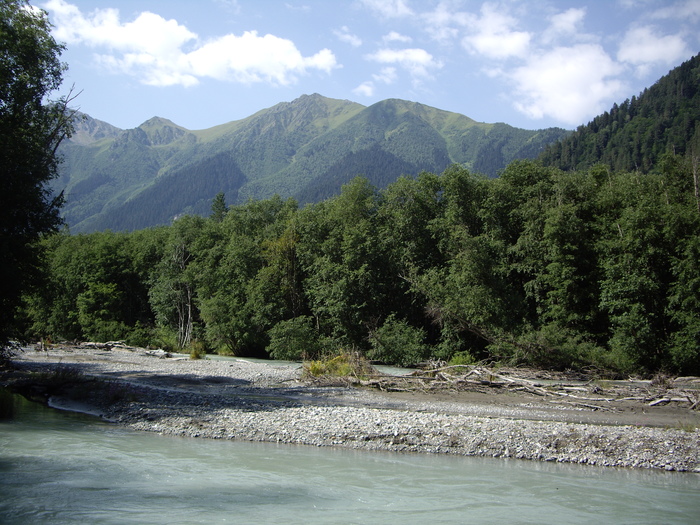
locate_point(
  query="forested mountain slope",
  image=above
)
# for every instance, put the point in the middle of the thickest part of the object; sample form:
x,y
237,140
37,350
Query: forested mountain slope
x,y
591,267
130,179
633,135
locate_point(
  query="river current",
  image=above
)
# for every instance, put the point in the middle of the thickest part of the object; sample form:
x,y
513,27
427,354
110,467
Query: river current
x,y
60,468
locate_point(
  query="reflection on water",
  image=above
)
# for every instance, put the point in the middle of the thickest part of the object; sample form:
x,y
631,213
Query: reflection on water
x,y
66,468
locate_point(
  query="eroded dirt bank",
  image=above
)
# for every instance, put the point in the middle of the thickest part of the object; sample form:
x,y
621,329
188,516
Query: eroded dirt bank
x,y
610,424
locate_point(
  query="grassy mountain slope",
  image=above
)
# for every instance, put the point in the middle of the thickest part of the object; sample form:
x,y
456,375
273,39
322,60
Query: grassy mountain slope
x,y
307,148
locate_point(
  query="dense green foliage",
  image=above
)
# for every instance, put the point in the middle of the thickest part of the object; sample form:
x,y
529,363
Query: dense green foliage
x,y
587,269
30,131
305,149
638,132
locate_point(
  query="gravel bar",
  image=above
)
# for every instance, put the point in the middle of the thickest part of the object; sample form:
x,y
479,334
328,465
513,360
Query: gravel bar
x,y
254,401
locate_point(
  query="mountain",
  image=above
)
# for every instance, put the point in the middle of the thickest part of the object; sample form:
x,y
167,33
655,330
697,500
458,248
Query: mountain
x,y
306,149
633,135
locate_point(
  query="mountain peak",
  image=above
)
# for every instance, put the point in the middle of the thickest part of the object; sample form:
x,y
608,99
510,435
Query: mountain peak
x,y
305,148
162,131
87,130
154,122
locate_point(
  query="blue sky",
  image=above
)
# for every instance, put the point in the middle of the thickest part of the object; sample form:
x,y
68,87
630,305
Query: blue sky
x,y
529,63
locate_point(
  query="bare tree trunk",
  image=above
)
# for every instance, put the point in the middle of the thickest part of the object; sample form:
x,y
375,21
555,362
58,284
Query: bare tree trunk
x,y
185,324
184,299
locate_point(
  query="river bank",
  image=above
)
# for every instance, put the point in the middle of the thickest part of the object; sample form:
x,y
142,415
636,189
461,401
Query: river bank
x,y
252,401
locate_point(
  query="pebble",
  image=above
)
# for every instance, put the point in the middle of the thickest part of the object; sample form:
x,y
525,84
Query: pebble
x,y
253,401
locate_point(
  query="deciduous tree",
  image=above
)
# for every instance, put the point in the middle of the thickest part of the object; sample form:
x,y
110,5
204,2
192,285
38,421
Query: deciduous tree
x,y
30,131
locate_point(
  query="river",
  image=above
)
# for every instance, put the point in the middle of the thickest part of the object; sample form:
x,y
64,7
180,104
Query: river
x,y
58,467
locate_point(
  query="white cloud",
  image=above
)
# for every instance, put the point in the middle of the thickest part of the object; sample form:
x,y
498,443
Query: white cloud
x,y
493,35
148,31
292,7
366,89
642,47
684,10
394,36
386,76
570,84
634,4
389,8
252,58
566,24
154,49
439,22
416,61
344,35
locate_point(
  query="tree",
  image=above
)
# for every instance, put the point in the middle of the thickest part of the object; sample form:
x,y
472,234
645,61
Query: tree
x,y
30,131
218,207
172,292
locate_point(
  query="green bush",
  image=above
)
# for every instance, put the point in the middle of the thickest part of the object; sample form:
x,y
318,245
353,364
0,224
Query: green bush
x,y
345,364
398,343
165,338
294,339
462,358
140,335
197,350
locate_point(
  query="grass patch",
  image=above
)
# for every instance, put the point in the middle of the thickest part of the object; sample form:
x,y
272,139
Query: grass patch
x,y
344,364
197,350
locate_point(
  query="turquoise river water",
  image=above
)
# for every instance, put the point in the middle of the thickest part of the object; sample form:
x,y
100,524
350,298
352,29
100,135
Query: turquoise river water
x,y
60,468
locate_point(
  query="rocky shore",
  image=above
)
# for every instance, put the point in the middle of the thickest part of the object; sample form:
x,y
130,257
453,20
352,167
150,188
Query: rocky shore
x,y
253,401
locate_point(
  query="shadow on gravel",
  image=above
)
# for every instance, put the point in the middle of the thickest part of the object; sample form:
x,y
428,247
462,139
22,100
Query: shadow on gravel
x,y
142,393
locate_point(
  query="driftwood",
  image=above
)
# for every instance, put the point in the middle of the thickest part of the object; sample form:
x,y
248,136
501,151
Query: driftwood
x,y
482,379
664,400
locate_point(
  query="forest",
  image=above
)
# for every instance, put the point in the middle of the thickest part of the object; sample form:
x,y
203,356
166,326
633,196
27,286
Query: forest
x,y
595,270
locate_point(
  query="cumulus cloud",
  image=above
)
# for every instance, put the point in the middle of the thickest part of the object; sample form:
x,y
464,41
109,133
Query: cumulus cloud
x,y
566,24
252,58
684,10
163,52
344,35
440,22
643,47
366,89
548,63
493,35
386,76
389,8
567,83
416,61
394,36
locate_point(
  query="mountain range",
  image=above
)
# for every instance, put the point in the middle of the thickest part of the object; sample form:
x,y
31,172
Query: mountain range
x,y
306,149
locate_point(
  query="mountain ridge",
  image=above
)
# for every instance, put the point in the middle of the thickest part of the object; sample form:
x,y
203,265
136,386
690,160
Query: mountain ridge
x,y
306,149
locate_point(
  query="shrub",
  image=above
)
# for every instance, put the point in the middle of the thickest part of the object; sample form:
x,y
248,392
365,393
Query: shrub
x,y
462,358
345,364
398,343
165,338
197,350
294,339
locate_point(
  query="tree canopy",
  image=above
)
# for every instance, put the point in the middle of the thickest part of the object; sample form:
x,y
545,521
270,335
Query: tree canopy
x,y
591,269
31,128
